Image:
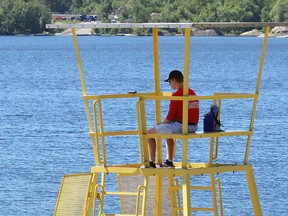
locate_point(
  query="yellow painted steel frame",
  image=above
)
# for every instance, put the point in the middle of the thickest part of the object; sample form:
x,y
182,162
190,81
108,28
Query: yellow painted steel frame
x,y
185,169
194,171
267,29
158,182
186,178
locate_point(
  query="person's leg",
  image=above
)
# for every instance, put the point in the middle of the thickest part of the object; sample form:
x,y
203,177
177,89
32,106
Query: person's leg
x,y
152,145
169,148
162,129
173,127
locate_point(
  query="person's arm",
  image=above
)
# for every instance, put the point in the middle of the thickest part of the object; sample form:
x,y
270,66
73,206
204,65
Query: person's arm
x,y
165,121
172,112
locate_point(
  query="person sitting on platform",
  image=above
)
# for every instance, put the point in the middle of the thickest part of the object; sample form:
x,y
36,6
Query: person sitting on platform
x,y
173,121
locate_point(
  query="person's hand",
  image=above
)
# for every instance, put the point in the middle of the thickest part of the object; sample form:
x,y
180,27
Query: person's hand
x,y
160,123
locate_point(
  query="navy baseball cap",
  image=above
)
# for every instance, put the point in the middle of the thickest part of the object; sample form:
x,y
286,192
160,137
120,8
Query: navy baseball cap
x,y
174,74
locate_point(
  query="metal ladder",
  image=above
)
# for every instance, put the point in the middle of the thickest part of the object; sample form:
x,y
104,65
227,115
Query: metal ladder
x,y
177,208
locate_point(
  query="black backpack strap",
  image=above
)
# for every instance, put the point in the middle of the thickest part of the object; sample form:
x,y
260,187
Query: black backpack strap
x,y
215,117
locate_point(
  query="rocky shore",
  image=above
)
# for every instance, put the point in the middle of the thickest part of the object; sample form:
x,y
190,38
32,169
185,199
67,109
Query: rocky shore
x,y
278,31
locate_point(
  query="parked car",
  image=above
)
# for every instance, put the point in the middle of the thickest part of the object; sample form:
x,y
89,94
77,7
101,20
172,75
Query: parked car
x,y
82,17
60,18
72,18
90,18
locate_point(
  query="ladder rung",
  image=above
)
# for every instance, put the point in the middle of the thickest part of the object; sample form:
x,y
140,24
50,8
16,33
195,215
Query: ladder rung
x,y
118,214
193,187
202,209
122,193
194,209
201,188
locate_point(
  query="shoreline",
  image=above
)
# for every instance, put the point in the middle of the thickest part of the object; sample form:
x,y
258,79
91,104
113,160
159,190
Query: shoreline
x,y
194,33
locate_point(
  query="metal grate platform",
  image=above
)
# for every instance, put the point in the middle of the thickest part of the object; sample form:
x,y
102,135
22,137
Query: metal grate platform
x,y
72,195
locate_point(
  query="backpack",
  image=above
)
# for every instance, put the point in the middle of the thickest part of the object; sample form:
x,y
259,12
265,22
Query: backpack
x,y
211,122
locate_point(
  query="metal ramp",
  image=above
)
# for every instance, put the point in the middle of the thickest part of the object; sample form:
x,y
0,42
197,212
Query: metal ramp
x,y
145,191
73,194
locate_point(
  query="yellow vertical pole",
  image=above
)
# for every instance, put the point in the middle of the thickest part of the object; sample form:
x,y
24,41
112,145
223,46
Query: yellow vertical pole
x,y
220,197
172,195
253,191
102,133
144,131
211,151
157,86
141,144
144,201
95,138
158,179
185,93
120,190
178,198
214,195
84,91
82,78
90,194
186,195
267,29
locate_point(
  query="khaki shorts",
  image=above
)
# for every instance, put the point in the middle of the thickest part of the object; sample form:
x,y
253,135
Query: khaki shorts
x,y
174,127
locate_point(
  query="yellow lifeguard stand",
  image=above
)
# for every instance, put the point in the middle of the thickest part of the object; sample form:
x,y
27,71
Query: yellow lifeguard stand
x,y
141,190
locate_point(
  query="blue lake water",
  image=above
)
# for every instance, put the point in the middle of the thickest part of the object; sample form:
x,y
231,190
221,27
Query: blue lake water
x,y
44,131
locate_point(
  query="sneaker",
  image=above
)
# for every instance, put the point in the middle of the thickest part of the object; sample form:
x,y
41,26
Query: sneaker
x,y
152,164
167,164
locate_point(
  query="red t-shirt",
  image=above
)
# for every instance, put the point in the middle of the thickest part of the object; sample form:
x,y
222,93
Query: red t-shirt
x,y
176,108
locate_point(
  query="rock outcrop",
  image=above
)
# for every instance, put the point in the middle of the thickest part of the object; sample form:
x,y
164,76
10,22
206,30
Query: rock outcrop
x,y
280,31
206,32
253,33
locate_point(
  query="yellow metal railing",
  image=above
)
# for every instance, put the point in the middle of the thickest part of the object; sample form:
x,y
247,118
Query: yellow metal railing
x,y
214,136
141,131
140,194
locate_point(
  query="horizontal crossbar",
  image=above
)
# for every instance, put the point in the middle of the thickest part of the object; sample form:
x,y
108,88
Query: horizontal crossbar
x,y
169,25
114,193
208,188
118,214
213,169
168,96
195,209
199,134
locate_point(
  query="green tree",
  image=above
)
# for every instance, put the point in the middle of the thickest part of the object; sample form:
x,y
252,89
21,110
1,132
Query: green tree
x,y
104,9
30,16
23,17
279,12
240,11
266,6
60,6
140,12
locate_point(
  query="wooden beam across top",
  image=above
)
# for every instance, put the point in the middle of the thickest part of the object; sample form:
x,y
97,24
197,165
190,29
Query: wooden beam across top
x,y
168,25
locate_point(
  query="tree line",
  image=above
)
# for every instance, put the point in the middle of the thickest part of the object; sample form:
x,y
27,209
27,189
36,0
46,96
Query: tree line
x,y
30,16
